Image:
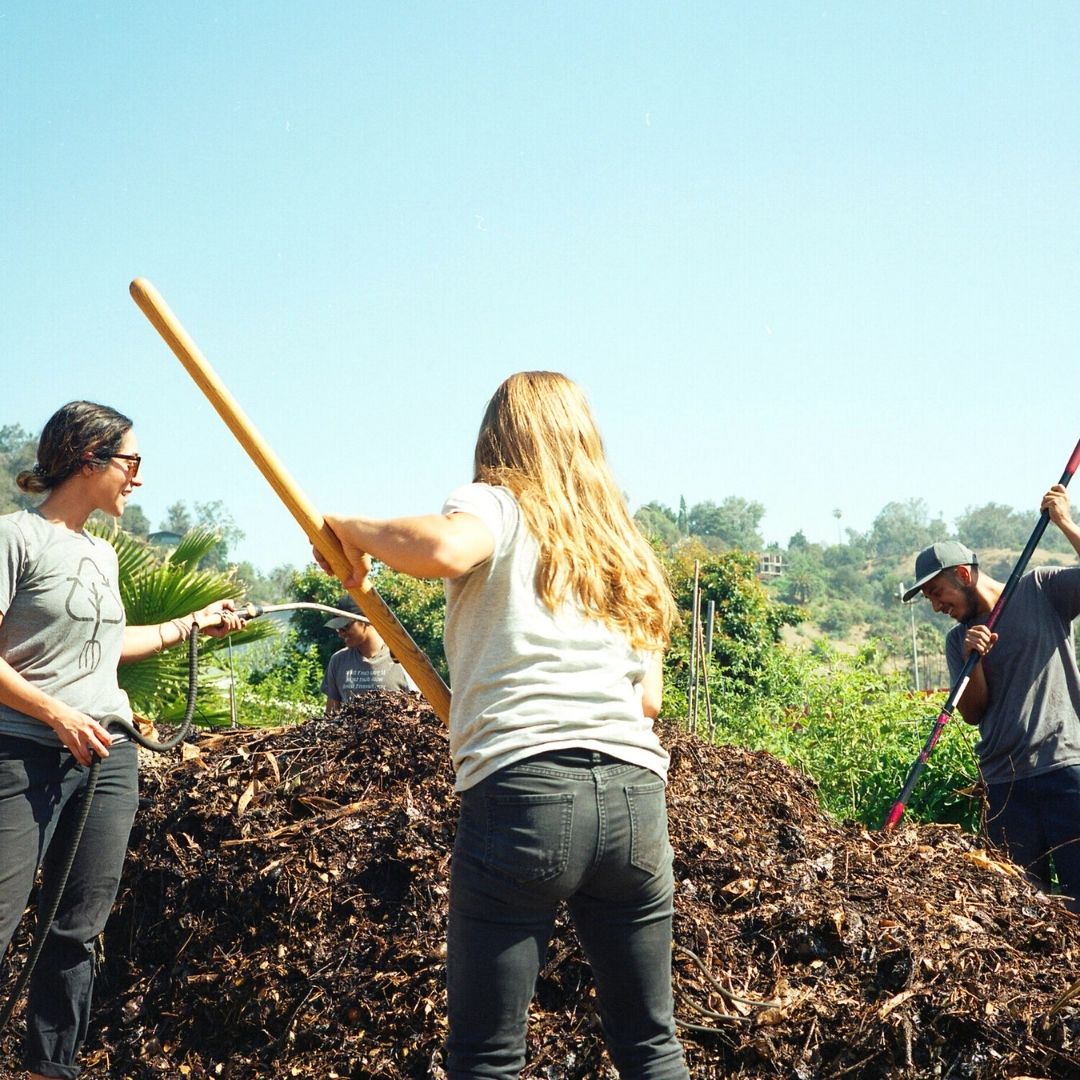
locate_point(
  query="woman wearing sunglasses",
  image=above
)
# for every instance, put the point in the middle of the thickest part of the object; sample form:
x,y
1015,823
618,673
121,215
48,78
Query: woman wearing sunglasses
x,y
557,612
62,635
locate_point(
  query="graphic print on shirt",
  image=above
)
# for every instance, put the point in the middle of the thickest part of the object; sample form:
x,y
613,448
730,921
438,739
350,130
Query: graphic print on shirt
x,y
92,599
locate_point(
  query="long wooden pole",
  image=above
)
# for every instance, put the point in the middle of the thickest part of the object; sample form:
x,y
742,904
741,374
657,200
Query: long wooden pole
x,y
962,680
408,653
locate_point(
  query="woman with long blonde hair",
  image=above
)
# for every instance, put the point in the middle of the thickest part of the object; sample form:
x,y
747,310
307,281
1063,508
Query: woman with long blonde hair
x,y
557,615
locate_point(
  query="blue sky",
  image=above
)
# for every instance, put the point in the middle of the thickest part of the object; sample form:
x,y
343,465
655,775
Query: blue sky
x,y
818,255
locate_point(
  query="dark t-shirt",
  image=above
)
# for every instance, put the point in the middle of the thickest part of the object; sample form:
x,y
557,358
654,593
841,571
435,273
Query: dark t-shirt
x,y
1032,721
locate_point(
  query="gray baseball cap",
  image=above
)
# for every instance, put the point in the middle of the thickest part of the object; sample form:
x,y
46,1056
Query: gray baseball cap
x,y
937,557
346,603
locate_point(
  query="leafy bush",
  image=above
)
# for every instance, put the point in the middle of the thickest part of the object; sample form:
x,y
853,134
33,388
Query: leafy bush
x,y
155,588
279,681
856,731
842,719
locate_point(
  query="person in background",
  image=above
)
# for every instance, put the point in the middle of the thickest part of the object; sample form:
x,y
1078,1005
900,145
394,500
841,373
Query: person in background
x,y
1023,695
364,665
557,614
62,635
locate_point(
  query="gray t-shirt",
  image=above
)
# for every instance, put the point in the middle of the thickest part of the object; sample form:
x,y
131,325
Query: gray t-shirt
x,y
349,673
526,679
1032,722
63,622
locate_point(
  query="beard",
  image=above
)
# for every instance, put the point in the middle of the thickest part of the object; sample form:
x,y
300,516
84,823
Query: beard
x,y
971,603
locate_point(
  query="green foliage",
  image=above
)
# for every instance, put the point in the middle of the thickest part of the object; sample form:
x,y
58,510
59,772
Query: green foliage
x,y
272,588
278,682
993,526
311,585
747,623
803,578
658,522
154,590
420,605
903,528
856,731
843,719
735,522
135,522
18,451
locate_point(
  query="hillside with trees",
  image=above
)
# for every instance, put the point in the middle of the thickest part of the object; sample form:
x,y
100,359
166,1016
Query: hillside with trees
x,y
810,654
848,593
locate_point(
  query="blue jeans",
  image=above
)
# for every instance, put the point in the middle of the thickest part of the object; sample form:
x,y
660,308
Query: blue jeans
x,y
41,789
1037,820
569,825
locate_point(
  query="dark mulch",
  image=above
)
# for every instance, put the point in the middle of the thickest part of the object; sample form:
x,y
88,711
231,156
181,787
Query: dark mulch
x,y
283,908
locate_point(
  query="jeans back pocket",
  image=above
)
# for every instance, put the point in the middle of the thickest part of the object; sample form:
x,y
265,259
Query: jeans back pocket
x,y
647,805
528,836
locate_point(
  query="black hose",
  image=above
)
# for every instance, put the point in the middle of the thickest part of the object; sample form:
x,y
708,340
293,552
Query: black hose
x,y
48,912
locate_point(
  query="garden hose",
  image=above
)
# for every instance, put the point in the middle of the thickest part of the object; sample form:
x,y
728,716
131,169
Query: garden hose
x,y
249,611
49,911
253,611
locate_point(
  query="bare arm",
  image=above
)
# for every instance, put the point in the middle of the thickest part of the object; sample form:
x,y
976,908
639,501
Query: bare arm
x,y
80,733
1056,503
976,696
217,620
428,546
652,687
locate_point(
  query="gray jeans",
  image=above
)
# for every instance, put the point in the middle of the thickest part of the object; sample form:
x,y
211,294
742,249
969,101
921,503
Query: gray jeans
x,y
41,790
567,825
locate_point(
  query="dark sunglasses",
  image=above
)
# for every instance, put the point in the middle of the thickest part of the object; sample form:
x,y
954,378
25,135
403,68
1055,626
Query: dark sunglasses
x,y
134,459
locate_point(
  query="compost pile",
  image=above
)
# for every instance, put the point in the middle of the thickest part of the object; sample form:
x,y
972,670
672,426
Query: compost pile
x,y
284,902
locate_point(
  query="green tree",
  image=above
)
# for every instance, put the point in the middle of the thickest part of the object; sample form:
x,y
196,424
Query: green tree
x,y
272,588
658,522
212,517
747,622
803,579
798,541
135,522
311,585
420,606
904,527
734,523
18,451
994,526
177,519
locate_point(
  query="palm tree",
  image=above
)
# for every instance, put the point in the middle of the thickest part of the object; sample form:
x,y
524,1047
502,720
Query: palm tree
x,y
156,588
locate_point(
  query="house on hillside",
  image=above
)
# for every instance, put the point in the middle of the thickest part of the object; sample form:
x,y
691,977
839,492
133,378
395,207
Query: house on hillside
x,y
770,564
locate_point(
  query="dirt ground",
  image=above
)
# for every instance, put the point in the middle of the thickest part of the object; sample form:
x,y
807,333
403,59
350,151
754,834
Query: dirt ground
x,y
283,908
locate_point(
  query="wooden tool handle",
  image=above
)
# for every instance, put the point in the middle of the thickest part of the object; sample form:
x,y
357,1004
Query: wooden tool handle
x,y
412,658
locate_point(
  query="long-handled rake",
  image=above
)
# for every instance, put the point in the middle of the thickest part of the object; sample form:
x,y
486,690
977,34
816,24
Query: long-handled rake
x,y
960,685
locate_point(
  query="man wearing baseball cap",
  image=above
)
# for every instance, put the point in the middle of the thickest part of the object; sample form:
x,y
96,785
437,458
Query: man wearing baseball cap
x,y
364,665
1024,696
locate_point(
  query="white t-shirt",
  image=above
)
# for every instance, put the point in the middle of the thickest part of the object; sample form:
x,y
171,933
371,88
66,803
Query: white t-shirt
x,y
525,679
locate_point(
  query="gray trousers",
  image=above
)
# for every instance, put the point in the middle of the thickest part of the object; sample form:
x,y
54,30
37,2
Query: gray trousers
x,y
41,791
573,826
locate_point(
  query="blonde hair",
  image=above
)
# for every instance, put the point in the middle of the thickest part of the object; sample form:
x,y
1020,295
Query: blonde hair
x,y
539,440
